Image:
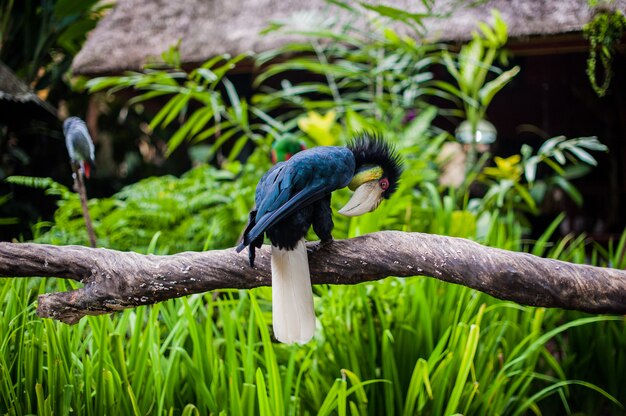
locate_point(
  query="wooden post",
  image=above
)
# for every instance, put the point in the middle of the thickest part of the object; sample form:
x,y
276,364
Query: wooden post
x,y
79,187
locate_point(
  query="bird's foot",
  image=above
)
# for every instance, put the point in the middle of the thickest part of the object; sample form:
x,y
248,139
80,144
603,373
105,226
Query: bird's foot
x,y
322,244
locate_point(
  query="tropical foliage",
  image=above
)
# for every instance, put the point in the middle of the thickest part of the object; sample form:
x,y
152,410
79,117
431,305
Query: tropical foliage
x,y
40,39
195,99
397,346
203,209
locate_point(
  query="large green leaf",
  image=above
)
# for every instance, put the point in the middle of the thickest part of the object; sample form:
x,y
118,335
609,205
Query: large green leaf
x,y
471,63
490,89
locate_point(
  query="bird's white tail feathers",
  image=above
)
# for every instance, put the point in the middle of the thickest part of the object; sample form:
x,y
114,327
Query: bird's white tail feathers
x,y
292,295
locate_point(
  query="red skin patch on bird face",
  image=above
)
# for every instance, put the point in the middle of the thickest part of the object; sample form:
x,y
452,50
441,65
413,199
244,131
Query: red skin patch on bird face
x,y
384,184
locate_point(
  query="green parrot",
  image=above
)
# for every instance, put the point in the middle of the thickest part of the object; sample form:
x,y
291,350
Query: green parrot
x,y
283,149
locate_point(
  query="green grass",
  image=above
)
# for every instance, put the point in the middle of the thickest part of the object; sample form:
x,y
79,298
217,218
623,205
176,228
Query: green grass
x,y
397,346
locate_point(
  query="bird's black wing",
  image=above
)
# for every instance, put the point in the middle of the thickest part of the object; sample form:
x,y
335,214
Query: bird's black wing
x,y
305,178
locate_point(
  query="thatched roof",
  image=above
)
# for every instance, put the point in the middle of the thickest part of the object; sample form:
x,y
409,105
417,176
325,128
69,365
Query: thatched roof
x,y
14,92
134,31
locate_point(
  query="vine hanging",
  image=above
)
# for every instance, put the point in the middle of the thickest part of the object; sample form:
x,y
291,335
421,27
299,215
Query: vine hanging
x,y
604,32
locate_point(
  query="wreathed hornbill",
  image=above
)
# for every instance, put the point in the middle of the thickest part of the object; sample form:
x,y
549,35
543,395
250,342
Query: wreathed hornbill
x,y
79,145
294,195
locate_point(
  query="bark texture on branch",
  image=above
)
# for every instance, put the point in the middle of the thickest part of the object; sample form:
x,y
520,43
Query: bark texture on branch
x,y
115,280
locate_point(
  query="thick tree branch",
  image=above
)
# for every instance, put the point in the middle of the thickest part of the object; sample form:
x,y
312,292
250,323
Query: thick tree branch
x,y
116,280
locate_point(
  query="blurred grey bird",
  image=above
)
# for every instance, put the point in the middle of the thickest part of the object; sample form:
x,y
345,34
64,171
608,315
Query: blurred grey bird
x,y
79,144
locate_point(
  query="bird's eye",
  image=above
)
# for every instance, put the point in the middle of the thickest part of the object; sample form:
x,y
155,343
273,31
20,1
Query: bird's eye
x,y
384,184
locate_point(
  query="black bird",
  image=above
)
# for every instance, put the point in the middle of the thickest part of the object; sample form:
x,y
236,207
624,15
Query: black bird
x,y
295,194
79,144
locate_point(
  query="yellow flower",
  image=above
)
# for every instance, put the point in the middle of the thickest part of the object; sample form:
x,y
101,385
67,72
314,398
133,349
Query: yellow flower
x,y
320,128
508,168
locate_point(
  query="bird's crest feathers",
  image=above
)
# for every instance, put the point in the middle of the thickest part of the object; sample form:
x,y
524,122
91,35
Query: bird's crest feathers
x,y
371,151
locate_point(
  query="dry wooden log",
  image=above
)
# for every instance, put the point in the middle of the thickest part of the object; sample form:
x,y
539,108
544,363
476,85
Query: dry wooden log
x,y
115,280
